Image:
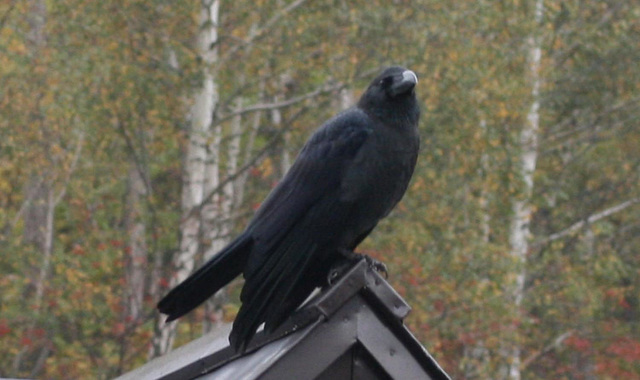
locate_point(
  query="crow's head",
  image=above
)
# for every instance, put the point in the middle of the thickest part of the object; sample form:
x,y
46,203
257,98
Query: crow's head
x,y
391,97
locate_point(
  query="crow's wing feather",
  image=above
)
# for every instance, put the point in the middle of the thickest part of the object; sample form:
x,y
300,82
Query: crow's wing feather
x,y
292,226
290,271
317,172
207,280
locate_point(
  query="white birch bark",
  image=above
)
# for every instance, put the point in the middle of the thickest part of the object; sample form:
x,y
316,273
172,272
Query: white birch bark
x,y
158,259
218,214
276,121
520,230
248,151
347,98
195,165
234,151
35,211
136,253
38,186
38,229
47,246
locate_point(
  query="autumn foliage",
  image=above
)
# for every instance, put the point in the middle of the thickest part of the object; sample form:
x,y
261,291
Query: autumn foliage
x,y
95,116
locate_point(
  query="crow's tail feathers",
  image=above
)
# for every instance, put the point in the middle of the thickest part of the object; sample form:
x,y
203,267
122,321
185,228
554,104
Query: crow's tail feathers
x,y
203,283
274,290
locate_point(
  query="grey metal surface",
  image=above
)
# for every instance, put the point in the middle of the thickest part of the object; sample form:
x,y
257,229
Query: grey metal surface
x,y
353,327
325,344
388,350
329,340
382,293
365,366
341,368
254,365
185,359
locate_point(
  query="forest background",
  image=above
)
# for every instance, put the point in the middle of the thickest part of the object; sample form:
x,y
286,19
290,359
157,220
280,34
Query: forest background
x,y
137,137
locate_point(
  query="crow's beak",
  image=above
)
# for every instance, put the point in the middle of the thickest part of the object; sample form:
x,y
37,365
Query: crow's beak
x,y
405,84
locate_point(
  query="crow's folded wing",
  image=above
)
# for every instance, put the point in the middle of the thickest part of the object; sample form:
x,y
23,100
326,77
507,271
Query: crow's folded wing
x,y
315,176
290,226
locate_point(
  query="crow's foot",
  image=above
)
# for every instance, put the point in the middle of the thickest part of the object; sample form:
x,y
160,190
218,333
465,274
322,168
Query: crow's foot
x,y
374,264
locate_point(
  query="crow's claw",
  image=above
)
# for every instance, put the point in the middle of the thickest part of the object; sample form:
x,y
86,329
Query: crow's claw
x,y
378,266
374,264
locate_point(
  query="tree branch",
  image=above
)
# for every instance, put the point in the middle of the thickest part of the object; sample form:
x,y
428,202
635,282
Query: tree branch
x,y
550,347
261,107
72,167
5,16
138,161
16,218
285,103
561,134
261,31
195,210
326,87
590,220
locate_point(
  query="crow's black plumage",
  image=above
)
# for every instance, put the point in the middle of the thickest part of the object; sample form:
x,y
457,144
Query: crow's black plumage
x,y
348,176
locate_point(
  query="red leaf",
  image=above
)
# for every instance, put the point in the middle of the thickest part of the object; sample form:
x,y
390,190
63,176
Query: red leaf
x,y
578,343
25,341
38,332
78,250
255,172
118,328
4,328
626,348
623,303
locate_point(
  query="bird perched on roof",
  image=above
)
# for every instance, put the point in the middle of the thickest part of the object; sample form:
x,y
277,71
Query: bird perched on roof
x,y
349,175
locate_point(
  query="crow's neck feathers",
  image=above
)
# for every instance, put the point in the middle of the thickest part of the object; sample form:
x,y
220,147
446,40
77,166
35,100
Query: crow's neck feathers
x,y
400,113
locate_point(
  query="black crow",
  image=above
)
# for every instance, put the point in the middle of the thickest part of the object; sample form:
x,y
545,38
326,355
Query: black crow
x,y
348,176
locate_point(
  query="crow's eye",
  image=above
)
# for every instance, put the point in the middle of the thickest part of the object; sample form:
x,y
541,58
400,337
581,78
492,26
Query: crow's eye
x,y
385,82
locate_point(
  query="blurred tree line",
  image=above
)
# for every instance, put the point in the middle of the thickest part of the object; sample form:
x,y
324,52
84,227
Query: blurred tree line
x,y
137,137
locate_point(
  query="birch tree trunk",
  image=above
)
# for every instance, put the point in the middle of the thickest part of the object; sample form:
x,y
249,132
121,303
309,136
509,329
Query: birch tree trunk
x,y
248,150
195,165
38,229
520,230
155,291
217,215
276,120
136,252
41,198
347,99
35,214
485,193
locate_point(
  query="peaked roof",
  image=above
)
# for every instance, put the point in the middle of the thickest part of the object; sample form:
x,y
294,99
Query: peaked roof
x,y
351,330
